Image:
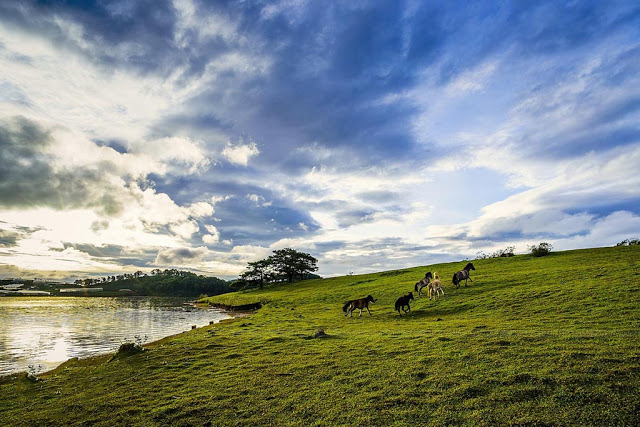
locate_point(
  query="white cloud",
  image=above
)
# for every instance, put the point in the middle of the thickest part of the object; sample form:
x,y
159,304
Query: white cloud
x,y
201,210
185,229
176,152
472,80
260,201
205,25
240,154
213,237
218,199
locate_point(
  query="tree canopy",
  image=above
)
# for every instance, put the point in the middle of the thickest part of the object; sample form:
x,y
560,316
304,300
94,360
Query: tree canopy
x,y
170,282
284,264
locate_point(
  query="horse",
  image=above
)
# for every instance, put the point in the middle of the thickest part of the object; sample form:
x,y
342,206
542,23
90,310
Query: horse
x,y
434,287
361,303
422,283
403,302
463,275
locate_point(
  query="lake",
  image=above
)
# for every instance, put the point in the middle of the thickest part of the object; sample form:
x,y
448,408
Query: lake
x,y
39,333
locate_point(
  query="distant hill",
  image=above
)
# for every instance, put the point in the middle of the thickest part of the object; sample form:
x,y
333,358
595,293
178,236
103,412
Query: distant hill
x,y
168,283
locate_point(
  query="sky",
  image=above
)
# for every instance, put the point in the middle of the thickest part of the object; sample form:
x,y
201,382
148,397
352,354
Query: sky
x,y
374,135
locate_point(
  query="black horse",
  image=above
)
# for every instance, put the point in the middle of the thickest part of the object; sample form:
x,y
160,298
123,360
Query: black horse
x,y
403,302
361,303
463,275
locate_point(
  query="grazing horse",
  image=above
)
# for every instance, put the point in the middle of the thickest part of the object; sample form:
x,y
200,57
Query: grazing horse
x,y
434,287
422,283
361,303
403,302
463,275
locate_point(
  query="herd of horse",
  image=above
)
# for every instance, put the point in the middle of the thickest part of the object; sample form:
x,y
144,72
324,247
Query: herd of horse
x,y
430,281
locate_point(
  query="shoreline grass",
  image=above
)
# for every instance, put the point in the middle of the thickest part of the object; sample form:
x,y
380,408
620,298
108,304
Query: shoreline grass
x,y
553,340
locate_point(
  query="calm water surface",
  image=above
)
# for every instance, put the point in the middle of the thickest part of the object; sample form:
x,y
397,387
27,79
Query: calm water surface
x,y
40,333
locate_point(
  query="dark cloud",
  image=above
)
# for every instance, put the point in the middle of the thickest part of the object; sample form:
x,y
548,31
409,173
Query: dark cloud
x,y
99,225
121,255
331,63
27,178
179,256
323,247
249,224
146,27
255,215
8,238
357,216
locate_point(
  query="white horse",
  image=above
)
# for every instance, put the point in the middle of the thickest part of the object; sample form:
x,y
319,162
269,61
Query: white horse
x,y
435,287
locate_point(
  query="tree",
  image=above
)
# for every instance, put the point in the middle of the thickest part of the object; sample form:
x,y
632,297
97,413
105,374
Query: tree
x,y
258,272
629,242
541,249
290,263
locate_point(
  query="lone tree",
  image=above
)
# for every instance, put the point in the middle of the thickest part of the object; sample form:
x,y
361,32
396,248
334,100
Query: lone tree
x,y
286,262
290,263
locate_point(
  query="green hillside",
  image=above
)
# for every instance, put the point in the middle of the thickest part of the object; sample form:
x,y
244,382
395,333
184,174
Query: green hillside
x,y
550,340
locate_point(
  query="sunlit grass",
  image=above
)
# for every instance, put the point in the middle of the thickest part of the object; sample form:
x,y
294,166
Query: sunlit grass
x,y
550,340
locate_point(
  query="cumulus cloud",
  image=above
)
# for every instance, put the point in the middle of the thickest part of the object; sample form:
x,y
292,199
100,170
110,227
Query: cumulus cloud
x,y
213,237
184,229
201,209
175,152
240,154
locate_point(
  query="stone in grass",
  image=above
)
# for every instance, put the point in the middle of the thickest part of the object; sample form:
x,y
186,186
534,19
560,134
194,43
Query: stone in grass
x,y
32,377
320,333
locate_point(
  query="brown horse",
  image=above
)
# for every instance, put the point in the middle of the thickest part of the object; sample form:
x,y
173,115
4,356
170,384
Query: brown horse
x,y
463,274
361,303
422,283
403,302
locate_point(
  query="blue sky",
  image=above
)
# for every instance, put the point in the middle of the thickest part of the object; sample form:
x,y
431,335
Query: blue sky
x,y
373,135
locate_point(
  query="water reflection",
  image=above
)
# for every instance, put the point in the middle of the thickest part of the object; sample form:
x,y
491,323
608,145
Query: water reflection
x,y
40,333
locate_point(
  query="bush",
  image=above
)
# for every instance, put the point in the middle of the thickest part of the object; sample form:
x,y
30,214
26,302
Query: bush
x,y
500,253
129,348
541,249
629,242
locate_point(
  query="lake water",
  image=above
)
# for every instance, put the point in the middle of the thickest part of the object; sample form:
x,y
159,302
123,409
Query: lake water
x,y
40,333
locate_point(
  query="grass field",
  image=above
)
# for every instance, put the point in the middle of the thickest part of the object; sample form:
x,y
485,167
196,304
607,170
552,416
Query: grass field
x,y
546,341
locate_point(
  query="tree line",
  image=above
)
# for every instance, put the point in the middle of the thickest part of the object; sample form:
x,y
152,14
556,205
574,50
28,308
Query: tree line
x,y
119,277
169,282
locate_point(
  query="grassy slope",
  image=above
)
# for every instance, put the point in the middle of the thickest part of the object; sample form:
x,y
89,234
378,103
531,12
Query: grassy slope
x,y
533,340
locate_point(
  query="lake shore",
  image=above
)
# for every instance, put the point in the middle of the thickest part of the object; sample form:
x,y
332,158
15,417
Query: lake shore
x,y
41,333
